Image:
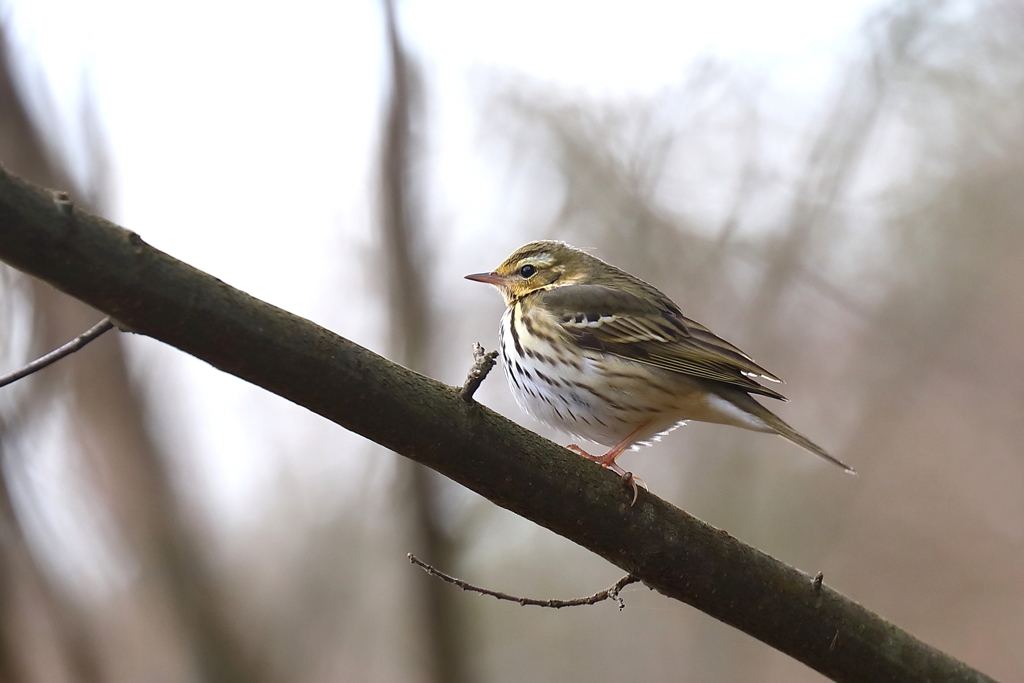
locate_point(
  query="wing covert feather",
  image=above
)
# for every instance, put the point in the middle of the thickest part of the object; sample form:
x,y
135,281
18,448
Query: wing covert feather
x,y
652,332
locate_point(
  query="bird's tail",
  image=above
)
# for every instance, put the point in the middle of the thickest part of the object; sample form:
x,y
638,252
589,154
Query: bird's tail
x,y
784,430
778,425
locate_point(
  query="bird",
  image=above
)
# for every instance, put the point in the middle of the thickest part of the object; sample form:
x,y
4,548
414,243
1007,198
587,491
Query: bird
x,y
604,356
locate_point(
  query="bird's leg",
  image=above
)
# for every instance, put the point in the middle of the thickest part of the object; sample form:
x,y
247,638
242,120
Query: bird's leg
x,y
608,459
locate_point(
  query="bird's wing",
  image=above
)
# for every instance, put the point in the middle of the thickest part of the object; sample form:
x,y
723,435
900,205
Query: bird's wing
x,y
652,332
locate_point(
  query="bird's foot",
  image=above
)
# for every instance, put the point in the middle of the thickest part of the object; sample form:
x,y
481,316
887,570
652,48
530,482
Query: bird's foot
x,y
608,461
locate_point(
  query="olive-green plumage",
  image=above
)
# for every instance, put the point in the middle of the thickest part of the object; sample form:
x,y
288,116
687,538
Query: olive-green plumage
x,y
603,355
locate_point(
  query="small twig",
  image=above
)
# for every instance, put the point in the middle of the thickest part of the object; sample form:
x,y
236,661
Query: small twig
x,y
611,593
483,362
816,588
55,355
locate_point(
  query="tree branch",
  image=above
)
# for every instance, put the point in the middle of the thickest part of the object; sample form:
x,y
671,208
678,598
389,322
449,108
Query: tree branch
x,y
150,293
58,353
611,593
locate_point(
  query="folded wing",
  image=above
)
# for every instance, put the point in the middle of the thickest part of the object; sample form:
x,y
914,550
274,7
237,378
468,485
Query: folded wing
x,y
651,332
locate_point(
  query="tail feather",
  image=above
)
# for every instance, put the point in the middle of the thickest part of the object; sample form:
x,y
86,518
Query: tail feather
x,y
785,431
778,425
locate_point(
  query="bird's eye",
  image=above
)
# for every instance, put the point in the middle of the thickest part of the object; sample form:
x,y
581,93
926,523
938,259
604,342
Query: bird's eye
x,y
527,271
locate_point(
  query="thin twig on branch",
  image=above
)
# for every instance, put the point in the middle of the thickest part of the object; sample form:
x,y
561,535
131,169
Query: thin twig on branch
x,y
151,293
610,593
55,355
483,363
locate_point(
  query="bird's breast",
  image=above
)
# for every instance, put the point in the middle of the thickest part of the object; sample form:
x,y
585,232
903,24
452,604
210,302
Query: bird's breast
x,y
587,393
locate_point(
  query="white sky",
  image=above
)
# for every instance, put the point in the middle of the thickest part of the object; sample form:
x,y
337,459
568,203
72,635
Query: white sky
x,y
243,136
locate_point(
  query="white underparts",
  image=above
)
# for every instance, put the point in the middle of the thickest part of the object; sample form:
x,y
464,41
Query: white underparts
x,y
736,416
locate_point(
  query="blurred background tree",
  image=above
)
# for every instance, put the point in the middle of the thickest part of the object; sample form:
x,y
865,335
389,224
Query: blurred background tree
x,y
161,522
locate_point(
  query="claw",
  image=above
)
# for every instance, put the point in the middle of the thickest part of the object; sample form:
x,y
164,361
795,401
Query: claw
x,y
609,463
628,478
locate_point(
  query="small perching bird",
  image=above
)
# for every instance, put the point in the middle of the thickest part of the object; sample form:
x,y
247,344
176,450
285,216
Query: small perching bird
x,y
595,352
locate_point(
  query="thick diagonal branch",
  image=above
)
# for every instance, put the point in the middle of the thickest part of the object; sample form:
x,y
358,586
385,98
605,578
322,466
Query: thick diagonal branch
x,y
151,293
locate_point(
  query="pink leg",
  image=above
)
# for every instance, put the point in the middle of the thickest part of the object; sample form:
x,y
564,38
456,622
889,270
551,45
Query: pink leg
x,y
608,459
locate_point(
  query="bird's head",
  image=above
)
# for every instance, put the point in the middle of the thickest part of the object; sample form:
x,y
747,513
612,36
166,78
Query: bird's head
x,y
541,265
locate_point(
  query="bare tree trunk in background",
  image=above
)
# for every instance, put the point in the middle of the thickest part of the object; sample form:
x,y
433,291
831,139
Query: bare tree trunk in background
x,y
108,419
409,311
30,605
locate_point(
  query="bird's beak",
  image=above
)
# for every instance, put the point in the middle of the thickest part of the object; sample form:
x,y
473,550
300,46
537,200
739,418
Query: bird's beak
x,y
489,278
